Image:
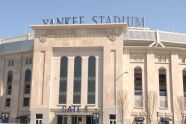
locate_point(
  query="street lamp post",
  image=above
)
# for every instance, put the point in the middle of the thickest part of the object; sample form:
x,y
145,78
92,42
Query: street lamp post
x,y
157,117
96,117
182,114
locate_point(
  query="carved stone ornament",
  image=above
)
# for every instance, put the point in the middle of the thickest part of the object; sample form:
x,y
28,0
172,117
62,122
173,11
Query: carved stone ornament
x,y
111,35
42,36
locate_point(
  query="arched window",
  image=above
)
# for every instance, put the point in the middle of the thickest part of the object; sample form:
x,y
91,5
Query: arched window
x,y
91,79
138,86
63,80
184,82
163,87
10,76
28,75
77,80
9,82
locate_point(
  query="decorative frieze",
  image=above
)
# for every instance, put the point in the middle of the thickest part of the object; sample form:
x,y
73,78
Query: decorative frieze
x,y
43,36
162,58
136,58
182,59
111,34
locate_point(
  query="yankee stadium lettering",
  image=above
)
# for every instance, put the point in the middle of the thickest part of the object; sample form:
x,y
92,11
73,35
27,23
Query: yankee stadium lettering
x,y
131,21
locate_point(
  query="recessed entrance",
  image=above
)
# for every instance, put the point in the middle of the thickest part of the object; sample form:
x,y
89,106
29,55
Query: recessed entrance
x,y
75,119
89,119
62,119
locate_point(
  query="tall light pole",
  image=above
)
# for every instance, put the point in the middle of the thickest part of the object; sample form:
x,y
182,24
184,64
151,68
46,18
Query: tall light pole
x,y
157,117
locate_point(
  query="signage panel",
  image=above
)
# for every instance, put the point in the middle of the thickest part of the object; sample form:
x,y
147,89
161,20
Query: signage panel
x,y
130,20
74,108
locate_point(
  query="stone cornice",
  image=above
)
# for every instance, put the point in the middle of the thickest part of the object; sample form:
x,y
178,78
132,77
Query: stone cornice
x,y
79,26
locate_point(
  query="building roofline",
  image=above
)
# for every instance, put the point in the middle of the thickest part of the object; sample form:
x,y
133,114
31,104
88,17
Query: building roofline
x,y
80,26
150,30
29,36
133,33
173,33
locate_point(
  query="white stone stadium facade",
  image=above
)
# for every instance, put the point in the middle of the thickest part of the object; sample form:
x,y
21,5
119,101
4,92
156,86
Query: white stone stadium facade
x,y
86,73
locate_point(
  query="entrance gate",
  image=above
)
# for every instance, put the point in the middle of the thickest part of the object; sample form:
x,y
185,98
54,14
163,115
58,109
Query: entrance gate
x,y
75,119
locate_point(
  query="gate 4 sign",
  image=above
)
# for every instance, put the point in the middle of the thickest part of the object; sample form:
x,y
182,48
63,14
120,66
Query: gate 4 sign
x,y
74,108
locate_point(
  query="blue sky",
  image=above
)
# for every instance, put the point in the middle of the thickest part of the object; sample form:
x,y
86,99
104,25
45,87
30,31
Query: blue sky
x,y
18,15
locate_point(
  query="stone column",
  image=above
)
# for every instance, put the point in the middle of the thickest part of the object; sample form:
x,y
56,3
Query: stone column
x,y
47,78
127,76
70,81
151,85
84,81
16,88
98,84
69,119
83,119
176,86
